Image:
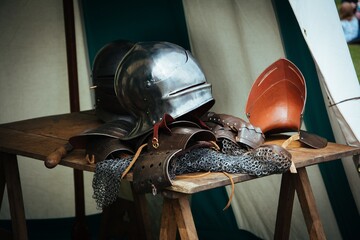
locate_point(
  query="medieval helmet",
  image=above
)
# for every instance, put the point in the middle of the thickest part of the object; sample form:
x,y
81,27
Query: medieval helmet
x,y
157,78
107,59
277,98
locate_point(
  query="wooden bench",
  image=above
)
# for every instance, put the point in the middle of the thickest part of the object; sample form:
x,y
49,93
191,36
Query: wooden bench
x,y
37,138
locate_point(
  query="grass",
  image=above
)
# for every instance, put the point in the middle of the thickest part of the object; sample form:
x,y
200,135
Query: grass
x,y
354,51
355,55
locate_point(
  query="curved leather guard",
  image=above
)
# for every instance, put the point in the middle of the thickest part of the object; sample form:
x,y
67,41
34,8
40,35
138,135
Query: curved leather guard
x,y
100,148
182,137
150,173
104,140
312,140
234,129
277,98
115,129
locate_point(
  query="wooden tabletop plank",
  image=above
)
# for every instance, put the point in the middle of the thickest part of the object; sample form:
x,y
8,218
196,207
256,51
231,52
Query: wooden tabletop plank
x,y
37,138
61,126
190,183
76,159
28,145
303,155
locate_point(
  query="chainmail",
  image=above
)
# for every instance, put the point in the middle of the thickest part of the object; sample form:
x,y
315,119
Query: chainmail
x,y
106,181
261,161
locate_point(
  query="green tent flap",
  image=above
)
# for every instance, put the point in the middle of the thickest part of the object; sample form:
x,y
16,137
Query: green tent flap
x,y
157,20
317,121
211,221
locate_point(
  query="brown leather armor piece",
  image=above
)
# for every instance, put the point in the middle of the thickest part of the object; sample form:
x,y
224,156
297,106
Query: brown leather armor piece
x,y
115,129
277,101
105,140
234,129
150,172
100,148
312,140
277,98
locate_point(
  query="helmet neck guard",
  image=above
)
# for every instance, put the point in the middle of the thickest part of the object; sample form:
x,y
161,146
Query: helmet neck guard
x,y
157,78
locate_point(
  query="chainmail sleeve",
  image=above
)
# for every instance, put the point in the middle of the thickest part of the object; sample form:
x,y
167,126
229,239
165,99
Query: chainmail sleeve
x,y
262,161
106,180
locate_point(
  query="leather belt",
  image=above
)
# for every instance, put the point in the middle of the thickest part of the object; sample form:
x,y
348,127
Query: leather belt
x,y
150,171
234,129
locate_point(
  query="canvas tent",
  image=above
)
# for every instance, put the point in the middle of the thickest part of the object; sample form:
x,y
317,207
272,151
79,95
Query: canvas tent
x,y
303,33
234,40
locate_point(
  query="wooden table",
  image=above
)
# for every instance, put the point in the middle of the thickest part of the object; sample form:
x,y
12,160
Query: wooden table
x,y
37,138
176,203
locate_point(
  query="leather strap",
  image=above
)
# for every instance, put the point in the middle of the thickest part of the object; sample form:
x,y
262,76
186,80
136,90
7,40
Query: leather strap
x,y
234,129
150,171
100,148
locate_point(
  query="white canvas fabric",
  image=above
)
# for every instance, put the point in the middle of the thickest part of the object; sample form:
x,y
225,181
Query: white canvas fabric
x,y
235,41
339,82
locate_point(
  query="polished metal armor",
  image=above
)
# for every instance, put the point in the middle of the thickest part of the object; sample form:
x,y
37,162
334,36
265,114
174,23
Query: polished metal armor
x,y
159,86
106,61
157,78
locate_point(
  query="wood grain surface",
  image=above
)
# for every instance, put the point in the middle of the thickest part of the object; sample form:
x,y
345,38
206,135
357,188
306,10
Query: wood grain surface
x,y
37,138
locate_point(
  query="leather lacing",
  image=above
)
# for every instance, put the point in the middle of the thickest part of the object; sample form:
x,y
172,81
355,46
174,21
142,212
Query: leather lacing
x,y
155,140
207,173
161,125
258,162
217,148
90,160
285,144
232,191
136,156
